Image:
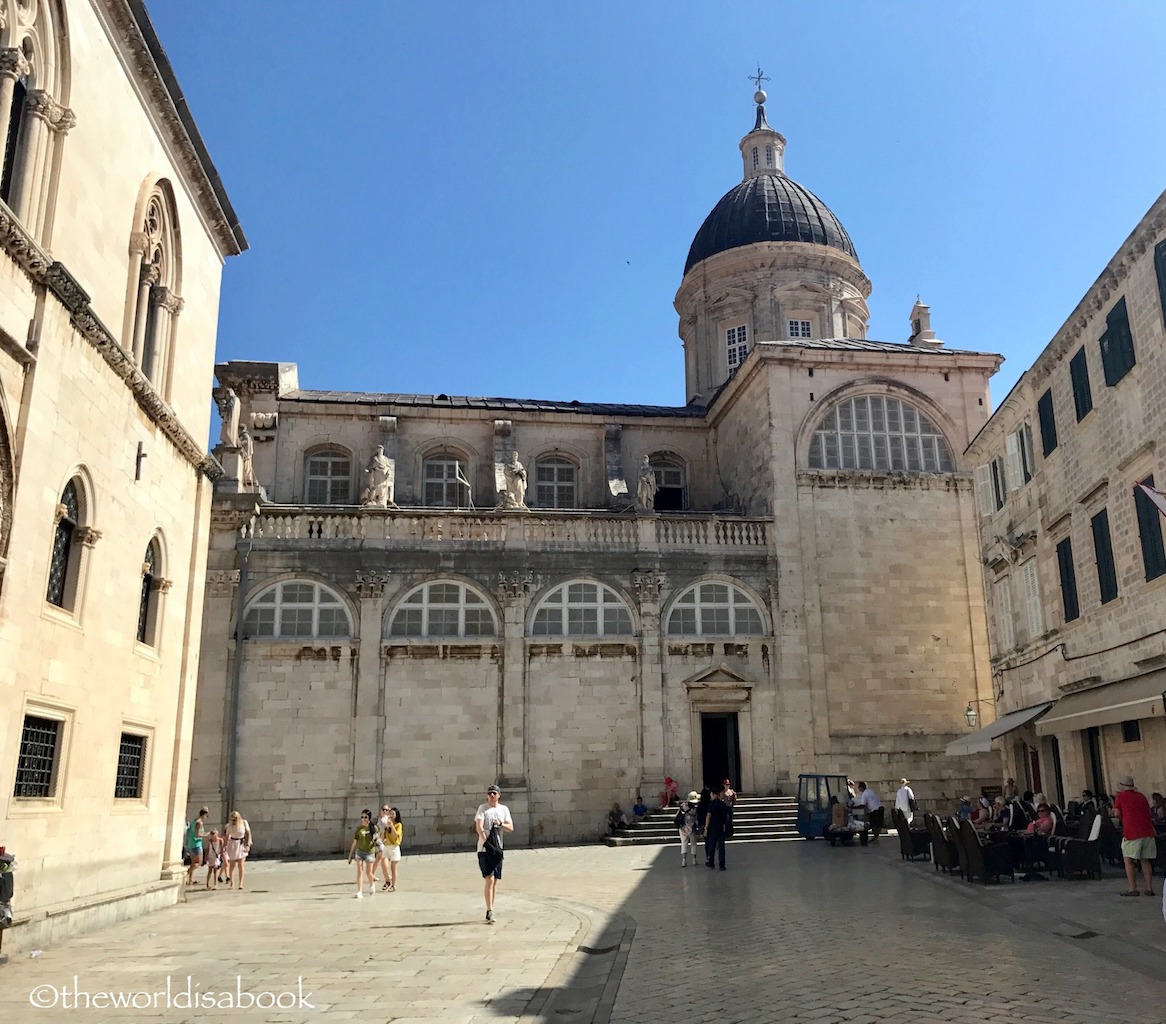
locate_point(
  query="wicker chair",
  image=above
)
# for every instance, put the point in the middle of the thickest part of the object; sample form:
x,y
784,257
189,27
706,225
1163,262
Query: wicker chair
x,y
1110,839
1077,855
913,842
985,860
951,831
943,851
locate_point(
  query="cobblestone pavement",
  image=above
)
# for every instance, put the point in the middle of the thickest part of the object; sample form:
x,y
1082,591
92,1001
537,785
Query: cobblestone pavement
x,y
791,932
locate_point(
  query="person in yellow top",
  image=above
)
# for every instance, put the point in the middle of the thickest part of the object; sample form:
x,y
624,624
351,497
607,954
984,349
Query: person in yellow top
x,y
389,832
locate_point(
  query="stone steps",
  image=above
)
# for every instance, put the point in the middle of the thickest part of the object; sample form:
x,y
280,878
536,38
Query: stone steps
x,y
756,819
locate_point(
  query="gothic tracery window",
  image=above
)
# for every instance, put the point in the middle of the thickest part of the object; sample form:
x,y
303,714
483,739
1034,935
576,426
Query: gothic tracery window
x,y
879,433
153,291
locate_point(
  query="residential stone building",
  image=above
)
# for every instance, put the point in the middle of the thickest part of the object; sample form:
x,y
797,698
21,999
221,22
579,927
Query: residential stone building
x,y
1072,548
412,596
114,228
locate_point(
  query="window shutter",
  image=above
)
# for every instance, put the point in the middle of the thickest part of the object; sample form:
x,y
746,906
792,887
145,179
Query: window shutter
x,y
1150,532
1048,423
1068,570
1160,270
1031,586
984,490
1079,374
1013,474
1103,547
1117,344
1002,598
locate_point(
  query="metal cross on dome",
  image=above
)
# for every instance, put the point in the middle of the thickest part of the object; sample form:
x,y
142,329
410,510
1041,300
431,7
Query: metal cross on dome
x,y
758,78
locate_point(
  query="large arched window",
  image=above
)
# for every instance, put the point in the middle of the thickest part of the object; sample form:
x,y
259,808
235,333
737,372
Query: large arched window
x,y
878,432
155,264
328,477
62,566
299,609
150,595
582,608
671,489
443,608
445,482
34,81
715,609
555,483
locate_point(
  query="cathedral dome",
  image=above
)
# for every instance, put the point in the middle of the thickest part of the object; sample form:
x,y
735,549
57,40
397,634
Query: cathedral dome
x,y
768,207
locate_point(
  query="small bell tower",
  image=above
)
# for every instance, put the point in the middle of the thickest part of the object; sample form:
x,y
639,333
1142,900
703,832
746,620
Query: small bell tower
x,y
763,149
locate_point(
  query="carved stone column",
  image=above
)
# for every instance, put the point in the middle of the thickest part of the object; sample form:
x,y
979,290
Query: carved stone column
x,y
513,590
13,66
48,118
656,764
148,278
165,306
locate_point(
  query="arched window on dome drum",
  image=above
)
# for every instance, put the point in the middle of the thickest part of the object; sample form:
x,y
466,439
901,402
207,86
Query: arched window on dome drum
x,y
879,433
64,554
582,608
769,156
445,608
328,478
756,160
299,609
671,489
715,609
555,483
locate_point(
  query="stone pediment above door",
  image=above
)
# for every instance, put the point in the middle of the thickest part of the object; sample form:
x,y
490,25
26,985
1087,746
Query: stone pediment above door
x,y
721,685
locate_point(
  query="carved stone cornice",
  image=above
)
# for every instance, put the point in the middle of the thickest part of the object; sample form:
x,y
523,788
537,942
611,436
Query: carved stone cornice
x,y
173,304
142,52
160,586
371,584
13,63
87,535
151,274
58,117
648,585
222,582
513,586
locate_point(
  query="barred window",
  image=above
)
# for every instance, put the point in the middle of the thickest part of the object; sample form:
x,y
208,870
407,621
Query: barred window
x,y
445,608
446,482
555,483
881,433
715,609
581,608
131,767
297,609
63,547
36,767
328,478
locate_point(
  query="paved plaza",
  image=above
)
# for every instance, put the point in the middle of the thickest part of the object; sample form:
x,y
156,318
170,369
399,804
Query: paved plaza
x,y
792,931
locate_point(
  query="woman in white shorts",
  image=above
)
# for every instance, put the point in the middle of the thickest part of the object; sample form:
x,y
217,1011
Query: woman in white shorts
x,y
392,836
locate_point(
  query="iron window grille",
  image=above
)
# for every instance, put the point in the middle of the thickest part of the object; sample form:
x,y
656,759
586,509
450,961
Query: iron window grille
x,y
36,766
131,767
63,545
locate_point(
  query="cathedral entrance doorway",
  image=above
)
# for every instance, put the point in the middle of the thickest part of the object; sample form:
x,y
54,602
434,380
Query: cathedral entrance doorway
x,y
721,748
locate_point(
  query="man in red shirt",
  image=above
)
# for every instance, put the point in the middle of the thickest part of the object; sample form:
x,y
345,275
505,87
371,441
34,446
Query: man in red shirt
x,y
1137,835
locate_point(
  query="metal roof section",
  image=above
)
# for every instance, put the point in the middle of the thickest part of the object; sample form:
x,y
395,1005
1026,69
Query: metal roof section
x,y
865,345
980,741
496,404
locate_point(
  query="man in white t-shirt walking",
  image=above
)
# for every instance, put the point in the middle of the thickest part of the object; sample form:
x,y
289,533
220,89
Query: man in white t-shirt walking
x,y
905,801
869,799
492,819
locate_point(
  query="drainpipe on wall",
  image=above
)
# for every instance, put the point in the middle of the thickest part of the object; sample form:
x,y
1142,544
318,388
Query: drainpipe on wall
x,y
236,681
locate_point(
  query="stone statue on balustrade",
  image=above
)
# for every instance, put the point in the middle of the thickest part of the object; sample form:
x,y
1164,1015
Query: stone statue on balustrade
x,y
646,487
379,476
246,455
514,496
228,403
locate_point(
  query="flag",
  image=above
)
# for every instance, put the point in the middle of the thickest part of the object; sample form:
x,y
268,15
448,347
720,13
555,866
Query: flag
x,y
1156,496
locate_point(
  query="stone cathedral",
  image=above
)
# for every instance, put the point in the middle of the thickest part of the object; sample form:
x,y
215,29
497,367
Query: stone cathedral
x,y
412,596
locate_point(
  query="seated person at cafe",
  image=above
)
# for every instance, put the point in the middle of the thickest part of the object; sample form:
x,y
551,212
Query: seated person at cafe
x,y
1001,812
965,811
1158,811
1044,823
1088,802
983,815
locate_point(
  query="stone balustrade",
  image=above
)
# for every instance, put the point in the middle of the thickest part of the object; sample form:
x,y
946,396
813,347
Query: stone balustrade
x,y
544,530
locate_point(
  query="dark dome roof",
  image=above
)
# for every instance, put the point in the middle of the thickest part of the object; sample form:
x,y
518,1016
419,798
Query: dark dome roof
x,y
768,208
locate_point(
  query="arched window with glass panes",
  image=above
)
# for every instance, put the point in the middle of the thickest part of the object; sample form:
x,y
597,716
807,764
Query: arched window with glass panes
x,y
555,483
445,481
328,477
149,596
671,485
879,433
443,608
582,608
298,609
714,609
70,535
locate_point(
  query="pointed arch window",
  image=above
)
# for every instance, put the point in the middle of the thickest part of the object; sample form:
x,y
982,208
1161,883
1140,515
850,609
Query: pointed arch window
x,y
62,568
297,609
15,68
715,609
879,433
153,290
582,608
150,595
443,608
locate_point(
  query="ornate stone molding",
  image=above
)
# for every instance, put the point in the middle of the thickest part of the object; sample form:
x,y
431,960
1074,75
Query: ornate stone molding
x,y
371,584
648,585
139,243
161,586
222,582
13,64
513,586
87,535
59,118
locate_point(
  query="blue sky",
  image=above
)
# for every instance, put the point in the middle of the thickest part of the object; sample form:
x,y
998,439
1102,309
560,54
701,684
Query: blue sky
x,y
498,199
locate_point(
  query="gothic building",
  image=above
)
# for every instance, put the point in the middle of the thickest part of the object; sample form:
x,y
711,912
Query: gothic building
x,y
415,595
114,228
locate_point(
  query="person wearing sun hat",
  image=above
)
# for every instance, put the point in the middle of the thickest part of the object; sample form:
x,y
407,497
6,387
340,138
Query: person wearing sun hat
x,y
685,822
1137,835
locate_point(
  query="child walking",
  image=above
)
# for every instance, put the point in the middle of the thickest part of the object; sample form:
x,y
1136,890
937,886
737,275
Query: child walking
x,y
363,850
213,854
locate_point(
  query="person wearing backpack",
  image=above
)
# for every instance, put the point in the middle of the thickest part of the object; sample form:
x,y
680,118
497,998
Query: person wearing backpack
x,y
192,841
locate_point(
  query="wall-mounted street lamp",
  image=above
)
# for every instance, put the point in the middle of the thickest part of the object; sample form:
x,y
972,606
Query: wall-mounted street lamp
x,y
971,715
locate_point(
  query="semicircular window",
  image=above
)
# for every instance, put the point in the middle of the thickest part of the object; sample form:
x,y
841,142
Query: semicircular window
x,y
715,609
879,433
581,608
445,608
297,608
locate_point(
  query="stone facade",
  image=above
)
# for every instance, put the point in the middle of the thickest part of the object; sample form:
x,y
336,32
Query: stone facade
x,y
778,609
102,461
1072,566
